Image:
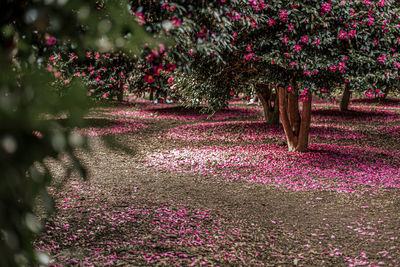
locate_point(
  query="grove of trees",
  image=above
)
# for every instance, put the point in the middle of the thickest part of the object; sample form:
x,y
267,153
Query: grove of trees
x,y
55,53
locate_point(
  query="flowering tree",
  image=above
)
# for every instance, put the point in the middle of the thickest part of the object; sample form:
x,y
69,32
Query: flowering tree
x,y
306,48
151,72
107,74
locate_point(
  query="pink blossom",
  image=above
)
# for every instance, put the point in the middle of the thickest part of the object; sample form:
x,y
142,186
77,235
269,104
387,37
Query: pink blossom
x,y
248,49
283,15
316,42
342,35
325,8
175,21
297,48
382,58
148,78
271,22
249,56
305,39
369,93
51,40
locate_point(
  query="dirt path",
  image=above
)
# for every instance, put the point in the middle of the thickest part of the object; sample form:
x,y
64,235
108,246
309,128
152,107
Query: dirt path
x,y
260,224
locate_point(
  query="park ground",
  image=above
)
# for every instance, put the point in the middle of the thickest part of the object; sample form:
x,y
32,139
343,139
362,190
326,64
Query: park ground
x,y
193,190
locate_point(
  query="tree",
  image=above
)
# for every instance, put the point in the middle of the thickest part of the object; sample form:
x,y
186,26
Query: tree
x,y
305,48
29,31
344,102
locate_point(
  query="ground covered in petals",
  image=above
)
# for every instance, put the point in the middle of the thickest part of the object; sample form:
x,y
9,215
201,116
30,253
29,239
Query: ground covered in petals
x,y
222,190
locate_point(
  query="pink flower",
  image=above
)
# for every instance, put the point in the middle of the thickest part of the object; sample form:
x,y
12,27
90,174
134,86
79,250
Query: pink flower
x,y
369,93
332,68
305,39
285,39
382,58
171,80
290,88
283,15
341,66
248,49
175,21
370,21
157,69
170,67
271,22
51,40
148,78
342,35
202,32
352,33
316,42
104,95
291,27
150,57
297,48
381,3
325,8
249,56
140,18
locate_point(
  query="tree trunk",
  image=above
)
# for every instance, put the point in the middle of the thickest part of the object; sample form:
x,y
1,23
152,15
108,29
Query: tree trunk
x,y
271,111
297,128
344,103
386,93
120,93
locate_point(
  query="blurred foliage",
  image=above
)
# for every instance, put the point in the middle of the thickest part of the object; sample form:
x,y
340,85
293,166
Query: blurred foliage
x,y
37,113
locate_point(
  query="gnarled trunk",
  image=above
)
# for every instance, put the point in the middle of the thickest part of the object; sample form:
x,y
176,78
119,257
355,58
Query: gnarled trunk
x,y
266,96
296,126
344,103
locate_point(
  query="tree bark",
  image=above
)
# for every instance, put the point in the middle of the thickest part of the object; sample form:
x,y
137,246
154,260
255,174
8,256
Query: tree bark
x,y
344,103
386,93
120,93
151,97
296,127
271,110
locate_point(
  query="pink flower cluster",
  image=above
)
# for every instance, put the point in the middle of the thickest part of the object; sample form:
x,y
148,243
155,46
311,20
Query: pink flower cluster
x,y
345,169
